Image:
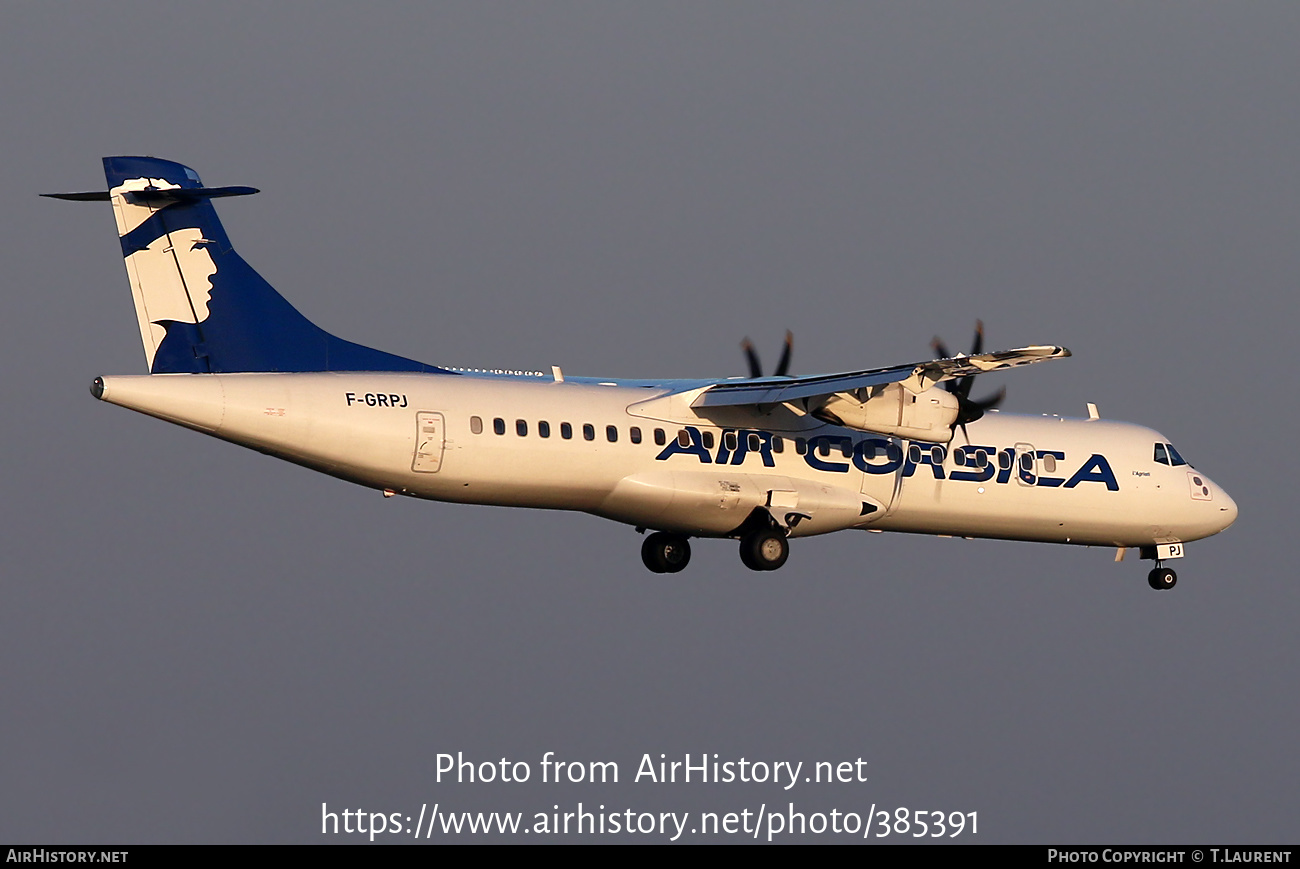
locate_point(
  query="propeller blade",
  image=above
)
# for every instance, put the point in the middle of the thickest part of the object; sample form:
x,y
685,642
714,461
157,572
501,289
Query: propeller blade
x,y
968,409
993,400
941,352
755,367
978,346
783,366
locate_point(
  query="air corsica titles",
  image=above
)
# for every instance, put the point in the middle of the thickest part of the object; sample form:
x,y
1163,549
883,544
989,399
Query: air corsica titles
x,y
883,456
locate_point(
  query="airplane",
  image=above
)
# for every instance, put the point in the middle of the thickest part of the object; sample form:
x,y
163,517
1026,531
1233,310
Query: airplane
x,y
758,459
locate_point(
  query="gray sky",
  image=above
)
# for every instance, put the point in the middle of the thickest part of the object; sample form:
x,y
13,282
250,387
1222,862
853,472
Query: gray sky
x,y
202,644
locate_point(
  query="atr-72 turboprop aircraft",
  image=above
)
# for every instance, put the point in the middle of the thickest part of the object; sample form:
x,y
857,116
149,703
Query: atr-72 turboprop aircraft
x,y
758,459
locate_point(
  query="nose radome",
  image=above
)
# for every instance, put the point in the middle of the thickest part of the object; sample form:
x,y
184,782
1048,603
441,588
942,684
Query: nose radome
x,y
1227,509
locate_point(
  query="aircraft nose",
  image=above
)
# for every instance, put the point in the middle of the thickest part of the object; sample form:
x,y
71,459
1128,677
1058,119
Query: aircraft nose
x,y
1227,509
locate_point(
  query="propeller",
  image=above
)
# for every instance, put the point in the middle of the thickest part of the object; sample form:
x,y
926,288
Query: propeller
x,y
968,409
756,367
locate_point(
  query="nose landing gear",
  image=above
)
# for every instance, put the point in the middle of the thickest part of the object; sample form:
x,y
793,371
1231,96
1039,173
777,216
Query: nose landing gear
x,y
1161,578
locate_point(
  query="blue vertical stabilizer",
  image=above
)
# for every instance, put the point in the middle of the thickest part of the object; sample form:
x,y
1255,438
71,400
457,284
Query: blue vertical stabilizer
x,y
201,308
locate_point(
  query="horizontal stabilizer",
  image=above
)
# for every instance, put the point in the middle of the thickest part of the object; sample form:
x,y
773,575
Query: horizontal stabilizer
x,y
188,194
92,196
160,196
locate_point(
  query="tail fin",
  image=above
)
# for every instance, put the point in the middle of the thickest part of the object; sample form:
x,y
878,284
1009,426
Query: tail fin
x,y
201,308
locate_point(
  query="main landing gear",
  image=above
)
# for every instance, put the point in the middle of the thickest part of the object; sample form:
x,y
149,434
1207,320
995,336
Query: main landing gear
x,y
765,549
1161,578
760,549
666,553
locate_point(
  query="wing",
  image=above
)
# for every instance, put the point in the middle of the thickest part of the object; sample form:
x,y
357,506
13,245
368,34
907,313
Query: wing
x,y
916,378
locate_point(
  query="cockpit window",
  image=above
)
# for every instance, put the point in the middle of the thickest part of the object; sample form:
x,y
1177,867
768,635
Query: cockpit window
x,y
1161,456
1176,459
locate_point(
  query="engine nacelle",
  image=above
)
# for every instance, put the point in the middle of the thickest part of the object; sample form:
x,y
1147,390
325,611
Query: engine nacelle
x,y
892,409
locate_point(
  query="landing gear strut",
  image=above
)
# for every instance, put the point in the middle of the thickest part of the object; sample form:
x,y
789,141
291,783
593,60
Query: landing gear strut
x,y
1161,578
765,549
665,553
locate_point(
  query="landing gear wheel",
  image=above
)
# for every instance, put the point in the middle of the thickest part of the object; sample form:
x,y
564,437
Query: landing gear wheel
x,y
1162,578
764,550
665,553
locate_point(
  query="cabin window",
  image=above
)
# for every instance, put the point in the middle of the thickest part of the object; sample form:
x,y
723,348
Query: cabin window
x,y
683,438
521,428
499,425
634,435
566,431
959,457
708,440
588,431
914,454
611,433
936,454
778,445
754,442
660,437
543,429
476,424
800,446
1004,460
729,440
846,448
981,459
1049,464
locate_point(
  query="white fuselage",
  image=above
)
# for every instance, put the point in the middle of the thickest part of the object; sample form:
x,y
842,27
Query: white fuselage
x,y
696,472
